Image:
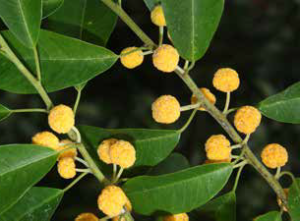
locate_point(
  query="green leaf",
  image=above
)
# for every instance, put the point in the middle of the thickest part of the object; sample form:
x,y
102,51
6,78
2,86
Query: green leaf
x,y
192,24
177,192
89,20
4,112
270,216
284,106
294,200
23,18
152,146
173,163
38,204
22,166
151,3
51,6
222,208
65,62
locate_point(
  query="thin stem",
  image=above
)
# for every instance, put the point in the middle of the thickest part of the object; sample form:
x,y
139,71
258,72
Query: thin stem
x,y
75,182
190,107
147,52
227,102
241,164
231,110
238,177
192,66
131,24
288,174
37,64
30,110
161,35
77,101
83,170
78,135
119,175
236,146
92,165
81,161
132,51
114,171
278,172
188,121
26,73
186,65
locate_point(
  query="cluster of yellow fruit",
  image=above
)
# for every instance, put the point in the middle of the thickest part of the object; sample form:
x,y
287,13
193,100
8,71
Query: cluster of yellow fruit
x,y
61,119
119,152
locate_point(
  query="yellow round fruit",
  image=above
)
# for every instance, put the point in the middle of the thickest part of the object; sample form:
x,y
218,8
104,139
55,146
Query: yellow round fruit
x,y
226,80
177,217
247,119
86,217
112,200
166,109
66,168
46,139
209,96
61,119
158,17
274,155
122,153
218,148
133,59
65,144
165,58
104,150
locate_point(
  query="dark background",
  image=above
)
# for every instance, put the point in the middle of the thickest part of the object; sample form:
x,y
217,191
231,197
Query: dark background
x,y
258,38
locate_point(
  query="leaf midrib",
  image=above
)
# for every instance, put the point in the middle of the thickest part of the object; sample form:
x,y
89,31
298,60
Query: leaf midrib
x,y
24,21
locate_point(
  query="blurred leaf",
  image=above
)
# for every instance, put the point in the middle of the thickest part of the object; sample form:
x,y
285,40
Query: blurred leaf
x,y
152,146
23,18
294,200
192,24
38,204
22,166
222,208
4,112
51,6
89,20
151,3
177,192
173,163
284,106
65,62
270,216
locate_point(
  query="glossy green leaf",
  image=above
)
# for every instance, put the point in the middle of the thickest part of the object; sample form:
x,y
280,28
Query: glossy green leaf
x,y
192,24
173,163
177,192
89,20
152,146
23,18
284,106
65,62
51,6
151,3
222,208
294,200
270,216
38,204
4,112
22,166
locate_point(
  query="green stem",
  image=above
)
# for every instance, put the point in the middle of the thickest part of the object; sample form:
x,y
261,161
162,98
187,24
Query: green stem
x,y
75,181
30,110
190,107
288,174
92,165
238,177
77,101
131,24
188,121
26,73
161,35
37,64
214,112
227,103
